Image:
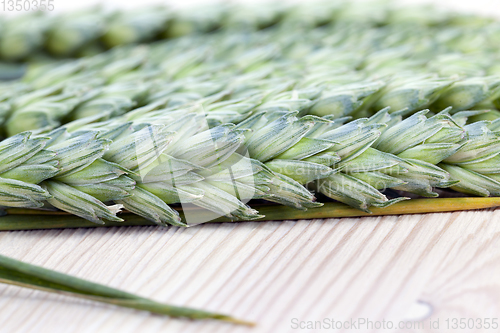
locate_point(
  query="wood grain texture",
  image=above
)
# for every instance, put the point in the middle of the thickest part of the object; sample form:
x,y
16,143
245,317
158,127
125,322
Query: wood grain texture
x,y
268,272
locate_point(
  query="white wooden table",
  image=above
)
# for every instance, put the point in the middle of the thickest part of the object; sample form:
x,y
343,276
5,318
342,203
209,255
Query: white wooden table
x,y
278,274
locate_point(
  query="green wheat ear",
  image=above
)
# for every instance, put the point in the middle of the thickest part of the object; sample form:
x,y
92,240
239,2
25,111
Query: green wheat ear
x,y
152,125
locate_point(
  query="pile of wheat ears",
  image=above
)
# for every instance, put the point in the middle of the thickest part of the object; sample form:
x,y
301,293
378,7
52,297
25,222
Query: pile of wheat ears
x,y
217,106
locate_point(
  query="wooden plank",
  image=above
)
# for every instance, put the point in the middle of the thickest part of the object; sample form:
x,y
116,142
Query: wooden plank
x,y
269,272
